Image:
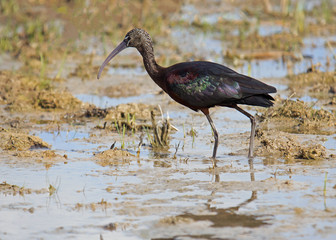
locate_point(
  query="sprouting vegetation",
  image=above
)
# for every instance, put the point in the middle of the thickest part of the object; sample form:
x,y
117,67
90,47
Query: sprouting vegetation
x,y
27,32
50,52
193,134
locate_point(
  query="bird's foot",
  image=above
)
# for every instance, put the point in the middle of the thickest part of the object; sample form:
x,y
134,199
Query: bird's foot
x,y
214,162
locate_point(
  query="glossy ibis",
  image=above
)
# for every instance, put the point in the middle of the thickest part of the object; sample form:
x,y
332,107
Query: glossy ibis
x,y
199,85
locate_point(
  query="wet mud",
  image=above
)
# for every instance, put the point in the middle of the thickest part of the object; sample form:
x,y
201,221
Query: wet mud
x,y
116,158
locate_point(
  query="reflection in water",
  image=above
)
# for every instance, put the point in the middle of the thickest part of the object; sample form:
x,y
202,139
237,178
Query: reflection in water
x,y
254,193
226,217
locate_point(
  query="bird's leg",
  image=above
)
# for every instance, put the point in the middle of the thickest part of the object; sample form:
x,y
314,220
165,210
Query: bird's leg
x,y
253,124
206,112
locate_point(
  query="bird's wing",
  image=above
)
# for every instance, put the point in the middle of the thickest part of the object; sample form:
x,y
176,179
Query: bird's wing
x,y
203,90
205,84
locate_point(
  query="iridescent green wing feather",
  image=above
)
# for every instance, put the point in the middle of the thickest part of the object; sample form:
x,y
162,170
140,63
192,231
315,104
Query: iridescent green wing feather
x,y
203,89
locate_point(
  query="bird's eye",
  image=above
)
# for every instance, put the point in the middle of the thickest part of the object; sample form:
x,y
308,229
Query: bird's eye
x,y
127,40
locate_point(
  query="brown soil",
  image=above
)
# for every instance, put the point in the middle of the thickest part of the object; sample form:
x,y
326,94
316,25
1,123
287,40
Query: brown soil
x,y
10,140
133,116
321,85
25,93
114,157
60,45
288,146
299,117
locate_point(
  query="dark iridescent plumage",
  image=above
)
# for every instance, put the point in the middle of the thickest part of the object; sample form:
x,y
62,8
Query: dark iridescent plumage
x,y
206,84
199,85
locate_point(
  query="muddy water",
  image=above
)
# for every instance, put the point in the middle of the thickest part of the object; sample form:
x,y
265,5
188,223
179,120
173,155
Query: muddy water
x,y
143,200
159,197
173,193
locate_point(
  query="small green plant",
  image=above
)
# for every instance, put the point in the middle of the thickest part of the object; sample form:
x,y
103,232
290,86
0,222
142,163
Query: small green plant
x,y
123,136
299,17
327,10
8,7
325,184
116,126
60,70
45,83
5,43
149,136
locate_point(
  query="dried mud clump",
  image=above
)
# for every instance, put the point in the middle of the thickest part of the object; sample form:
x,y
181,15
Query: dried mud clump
x,y
93,111
57,100
298,117
319,84
20,141
9,189
46,156
138,110
175,220
280,144
113,157
24,93
102,206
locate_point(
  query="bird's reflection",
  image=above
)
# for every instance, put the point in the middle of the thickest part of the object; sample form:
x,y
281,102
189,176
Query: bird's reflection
x,y
228,217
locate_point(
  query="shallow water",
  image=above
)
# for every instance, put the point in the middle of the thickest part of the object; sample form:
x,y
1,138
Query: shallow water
x,y
141,194
159,196
106,102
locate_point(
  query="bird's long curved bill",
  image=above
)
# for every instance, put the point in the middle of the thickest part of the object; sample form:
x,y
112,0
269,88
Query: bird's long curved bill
x,y
117,50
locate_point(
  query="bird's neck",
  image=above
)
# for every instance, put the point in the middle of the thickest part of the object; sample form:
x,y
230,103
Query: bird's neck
x,y
154,70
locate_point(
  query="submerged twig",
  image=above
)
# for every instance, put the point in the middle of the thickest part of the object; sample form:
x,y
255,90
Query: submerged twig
x,y
139,145
331,49
176,149
113,144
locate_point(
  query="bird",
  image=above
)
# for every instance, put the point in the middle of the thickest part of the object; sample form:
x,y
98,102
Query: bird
x,y
199,85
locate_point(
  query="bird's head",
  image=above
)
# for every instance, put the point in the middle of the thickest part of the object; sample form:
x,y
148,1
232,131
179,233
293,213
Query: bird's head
x,y
137,38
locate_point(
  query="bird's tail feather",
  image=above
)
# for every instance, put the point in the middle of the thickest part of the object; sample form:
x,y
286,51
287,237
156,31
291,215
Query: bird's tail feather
x,y
262,100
